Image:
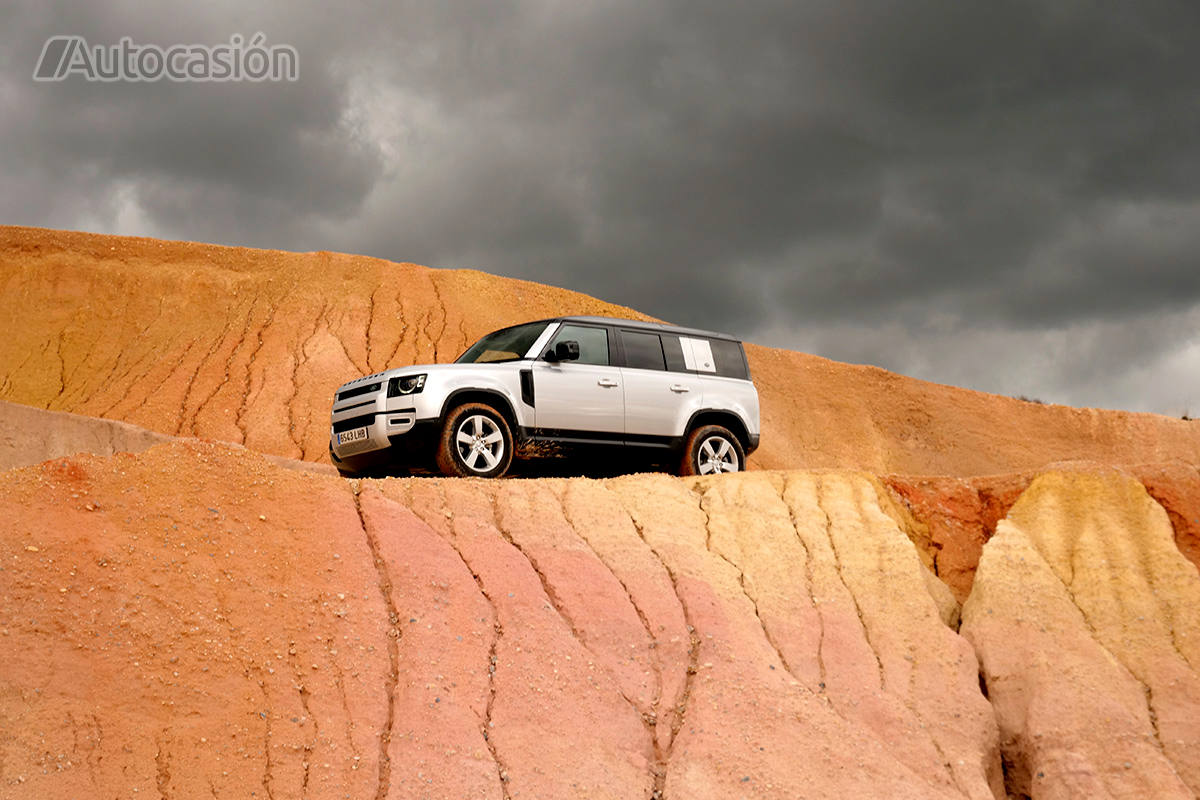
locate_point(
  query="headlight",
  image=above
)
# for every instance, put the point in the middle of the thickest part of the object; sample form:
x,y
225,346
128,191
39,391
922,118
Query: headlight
x,y
406,384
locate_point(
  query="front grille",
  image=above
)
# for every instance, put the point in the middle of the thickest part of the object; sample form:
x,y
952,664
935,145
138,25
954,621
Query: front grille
x,y
357,390
353,422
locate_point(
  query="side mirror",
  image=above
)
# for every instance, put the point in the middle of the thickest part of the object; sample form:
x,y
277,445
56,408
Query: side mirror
x,y
565,351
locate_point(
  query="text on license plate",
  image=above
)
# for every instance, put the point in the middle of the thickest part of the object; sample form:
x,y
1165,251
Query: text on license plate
x,y
352,436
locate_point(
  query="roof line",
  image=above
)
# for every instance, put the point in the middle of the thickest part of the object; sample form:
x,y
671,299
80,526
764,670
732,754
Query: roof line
x,y
634,323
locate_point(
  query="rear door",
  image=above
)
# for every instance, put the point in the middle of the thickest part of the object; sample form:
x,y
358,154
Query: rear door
x,y
660,392
581,399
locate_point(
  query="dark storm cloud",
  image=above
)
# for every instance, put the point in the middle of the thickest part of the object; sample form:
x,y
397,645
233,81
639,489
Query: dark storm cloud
x,y
866,154
879,181
216,161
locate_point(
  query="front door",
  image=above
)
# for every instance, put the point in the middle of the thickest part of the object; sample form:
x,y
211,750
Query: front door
x,y
581,399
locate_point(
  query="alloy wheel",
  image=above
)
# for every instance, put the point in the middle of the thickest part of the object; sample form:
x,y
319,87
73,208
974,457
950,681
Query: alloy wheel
x,y
479,442
716,455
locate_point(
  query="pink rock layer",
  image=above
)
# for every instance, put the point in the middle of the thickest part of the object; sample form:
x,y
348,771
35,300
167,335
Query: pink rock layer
x,y
196,620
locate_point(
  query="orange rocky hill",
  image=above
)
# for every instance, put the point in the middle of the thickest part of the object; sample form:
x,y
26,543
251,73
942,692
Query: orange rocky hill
x,y
196,620
247,346
200,619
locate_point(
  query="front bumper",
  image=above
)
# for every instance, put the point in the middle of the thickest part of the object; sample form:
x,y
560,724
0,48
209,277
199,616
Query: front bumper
x,y
379,425
387,430
414,448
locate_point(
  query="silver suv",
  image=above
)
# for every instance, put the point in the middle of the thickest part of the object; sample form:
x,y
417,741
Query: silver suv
x,y
566,384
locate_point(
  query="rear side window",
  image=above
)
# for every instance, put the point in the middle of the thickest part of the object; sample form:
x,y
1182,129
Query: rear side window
x,y
643,350
593,343
730,359
714,357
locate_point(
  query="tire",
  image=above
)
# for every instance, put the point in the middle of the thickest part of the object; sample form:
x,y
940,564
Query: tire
x,y
468,447
712,449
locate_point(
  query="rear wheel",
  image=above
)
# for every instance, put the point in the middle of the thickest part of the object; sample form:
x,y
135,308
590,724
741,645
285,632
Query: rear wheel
x,y
476,442
710,450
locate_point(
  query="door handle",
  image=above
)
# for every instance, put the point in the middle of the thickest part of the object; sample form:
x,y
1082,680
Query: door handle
x,y
679,388
606,382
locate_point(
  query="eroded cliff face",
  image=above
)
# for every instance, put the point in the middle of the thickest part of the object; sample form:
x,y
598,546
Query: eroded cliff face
x,y
951,519
1083,613
195,620
248,346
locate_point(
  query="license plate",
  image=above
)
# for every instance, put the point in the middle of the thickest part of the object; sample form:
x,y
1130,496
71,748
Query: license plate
x,y
356,435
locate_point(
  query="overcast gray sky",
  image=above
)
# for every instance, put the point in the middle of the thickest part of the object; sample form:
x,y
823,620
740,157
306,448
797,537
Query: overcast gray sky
x,y
1001,195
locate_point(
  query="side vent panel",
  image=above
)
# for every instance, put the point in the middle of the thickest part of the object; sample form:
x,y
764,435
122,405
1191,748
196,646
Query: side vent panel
x,y
527,387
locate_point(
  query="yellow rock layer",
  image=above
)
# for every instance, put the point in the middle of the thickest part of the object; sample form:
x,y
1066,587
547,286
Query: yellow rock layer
x,y
1083,613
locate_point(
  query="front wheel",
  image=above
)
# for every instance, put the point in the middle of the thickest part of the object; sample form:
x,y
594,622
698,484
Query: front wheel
x,y
476,443
711,450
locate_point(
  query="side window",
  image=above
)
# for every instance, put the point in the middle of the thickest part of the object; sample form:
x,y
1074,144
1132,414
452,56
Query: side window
x,y
643,350
673,350
698,355
730,359
593,343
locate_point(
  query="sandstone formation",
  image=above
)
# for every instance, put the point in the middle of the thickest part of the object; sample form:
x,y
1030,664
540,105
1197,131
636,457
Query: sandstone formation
x,y
950,519
195,619
198,620
1083,613
248,345
1176,487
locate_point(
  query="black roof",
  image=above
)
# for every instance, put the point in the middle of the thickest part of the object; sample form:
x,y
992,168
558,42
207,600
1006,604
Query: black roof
x,y
650,326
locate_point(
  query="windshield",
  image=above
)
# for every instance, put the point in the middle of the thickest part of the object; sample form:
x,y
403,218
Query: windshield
x,y
509,344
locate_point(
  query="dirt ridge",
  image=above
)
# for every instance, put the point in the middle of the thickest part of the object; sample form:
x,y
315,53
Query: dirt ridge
x,y
248,345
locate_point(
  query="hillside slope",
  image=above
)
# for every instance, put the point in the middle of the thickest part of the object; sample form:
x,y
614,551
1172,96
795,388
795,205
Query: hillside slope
x,y
196,620
247,346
